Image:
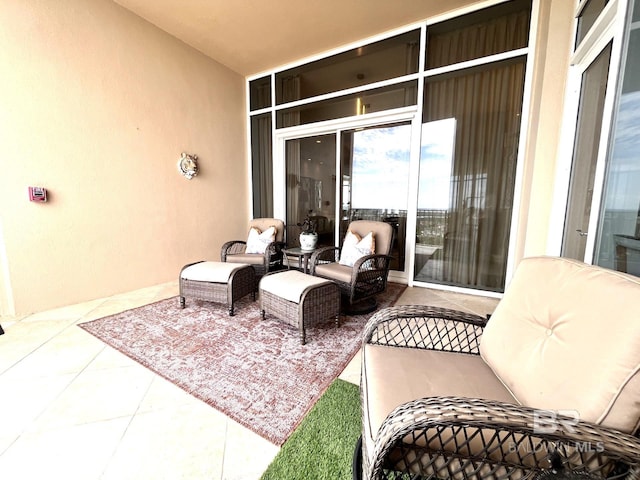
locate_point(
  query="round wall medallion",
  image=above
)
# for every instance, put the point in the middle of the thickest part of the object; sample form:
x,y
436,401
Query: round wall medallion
x,y
188,165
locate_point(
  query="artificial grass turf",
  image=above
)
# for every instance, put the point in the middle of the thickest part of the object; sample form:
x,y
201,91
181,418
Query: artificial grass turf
x,y
321,448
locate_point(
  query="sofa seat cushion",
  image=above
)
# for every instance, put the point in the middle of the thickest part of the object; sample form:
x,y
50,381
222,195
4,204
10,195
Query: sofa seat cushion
x,y
570,343
392,376
334,271
250,258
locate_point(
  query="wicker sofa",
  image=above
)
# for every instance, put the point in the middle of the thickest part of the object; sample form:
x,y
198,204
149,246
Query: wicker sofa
x,y
552,376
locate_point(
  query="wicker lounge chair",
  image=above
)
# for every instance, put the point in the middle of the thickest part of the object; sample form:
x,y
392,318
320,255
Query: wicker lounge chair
x,y
235,250
552,376
360,283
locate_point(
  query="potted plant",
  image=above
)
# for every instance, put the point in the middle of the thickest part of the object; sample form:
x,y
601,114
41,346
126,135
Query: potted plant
x,y
308,235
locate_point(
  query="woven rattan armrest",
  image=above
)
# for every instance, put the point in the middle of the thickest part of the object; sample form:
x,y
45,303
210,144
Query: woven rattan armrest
x,y
323,255
497,437
370,266
232,247
273,256
430,328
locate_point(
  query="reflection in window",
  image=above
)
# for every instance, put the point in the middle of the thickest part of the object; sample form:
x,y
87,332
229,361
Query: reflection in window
x,y
311,187
262,165
434,195
376,100
618,244
389,58
376,180
260,93
588,16
469,239
479,34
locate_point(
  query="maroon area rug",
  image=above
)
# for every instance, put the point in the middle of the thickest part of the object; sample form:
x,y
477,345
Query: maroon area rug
x,y
253,370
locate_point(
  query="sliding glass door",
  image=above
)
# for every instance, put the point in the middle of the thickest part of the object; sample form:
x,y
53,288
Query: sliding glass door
x,y
310,168
375,181
372,183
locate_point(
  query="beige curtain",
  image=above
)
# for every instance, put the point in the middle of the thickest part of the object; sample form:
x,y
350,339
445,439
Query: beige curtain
x,y
262,167
486,103
291,92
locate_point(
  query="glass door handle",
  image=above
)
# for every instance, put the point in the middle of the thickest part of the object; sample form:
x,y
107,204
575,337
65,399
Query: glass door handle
x,y
581,233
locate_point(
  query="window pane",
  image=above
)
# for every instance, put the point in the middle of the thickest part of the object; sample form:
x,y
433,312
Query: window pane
x,y
493,30
468,159
636,11
311,187
376,100
260,93
619,236
588,17
585,156
262,165
383,60
375,181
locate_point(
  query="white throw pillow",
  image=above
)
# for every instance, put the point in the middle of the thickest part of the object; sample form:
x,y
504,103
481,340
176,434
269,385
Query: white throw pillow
x,y
257,242
354,248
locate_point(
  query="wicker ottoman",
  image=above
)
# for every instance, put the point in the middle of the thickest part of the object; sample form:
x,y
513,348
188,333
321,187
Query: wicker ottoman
x,y
300,300
216,282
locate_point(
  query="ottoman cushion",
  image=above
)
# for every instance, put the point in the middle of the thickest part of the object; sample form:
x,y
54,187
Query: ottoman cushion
x,y
290,285
216,272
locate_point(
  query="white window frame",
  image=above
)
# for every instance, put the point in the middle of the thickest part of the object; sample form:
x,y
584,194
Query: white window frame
x,y
413,114
609,27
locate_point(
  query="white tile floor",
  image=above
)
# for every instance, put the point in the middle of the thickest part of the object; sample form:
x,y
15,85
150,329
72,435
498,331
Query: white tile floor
x,y
73,408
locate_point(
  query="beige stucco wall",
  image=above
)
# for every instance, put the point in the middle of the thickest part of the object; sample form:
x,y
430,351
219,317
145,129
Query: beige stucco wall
x,y
96,105
551,57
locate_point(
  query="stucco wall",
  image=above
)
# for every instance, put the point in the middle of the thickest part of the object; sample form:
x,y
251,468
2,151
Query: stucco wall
x,y
552,51
96,105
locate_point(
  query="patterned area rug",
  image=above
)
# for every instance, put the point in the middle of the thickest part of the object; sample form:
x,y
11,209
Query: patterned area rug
x,y
253,370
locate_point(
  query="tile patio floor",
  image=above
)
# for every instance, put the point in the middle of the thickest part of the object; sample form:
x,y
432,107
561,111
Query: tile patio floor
x,y
72,407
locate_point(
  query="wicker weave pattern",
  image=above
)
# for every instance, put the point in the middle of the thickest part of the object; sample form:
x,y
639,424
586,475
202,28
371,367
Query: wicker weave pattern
x,y
446,436
461,438
317,303
241,283
426,327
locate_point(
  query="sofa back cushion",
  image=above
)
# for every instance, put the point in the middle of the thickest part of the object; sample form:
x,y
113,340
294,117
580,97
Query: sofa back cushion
x,y
566,336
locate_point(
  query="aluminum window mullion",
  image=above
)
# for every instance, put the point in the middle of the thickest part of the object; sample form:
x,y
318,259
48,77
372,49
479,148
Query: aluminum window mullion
x,y
477,62
349,91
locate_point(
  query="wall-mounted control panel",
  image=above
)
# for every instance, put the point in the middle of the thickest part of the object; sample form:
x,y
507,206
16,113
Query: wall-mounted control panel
x,y
37,194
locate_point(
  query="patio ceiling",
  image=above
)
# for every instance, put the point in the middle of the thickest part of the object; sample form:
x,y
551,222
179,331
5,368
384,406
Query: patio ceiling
x,y
250,36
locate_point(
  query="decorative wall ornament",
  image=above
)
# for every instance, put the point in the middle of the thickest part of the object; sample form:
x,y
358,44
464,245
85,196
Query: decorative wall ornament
x,y
188,165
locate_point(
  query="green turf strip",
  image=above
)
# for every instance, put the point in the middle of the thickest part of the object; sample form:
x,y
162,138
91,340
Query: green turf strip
x,y
321,448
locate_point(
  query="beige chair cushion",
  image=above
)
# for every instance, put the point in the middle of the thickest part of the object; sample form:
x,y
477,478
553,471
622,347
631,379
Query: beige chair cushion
x,y
382,231
290,285
392,376
250,258
215,272
566,336
335,271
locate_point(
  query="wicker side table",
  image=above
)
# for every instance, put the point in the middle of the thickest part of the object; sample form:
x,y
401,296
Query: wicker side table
x,y
299,299
216,282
